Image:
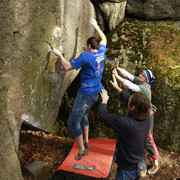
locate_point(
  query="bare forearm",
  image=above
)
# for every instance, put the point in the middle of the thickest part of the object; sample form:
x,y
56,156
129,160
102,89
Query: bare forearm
x,y
120,79
99,31
115,84
119,70
101,35
119,90
66,64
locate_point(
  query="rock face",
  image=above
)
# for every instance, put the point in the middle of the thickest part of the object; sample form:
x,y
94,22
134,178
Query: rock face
x,y
154,9
9,163
36,82
110,13
32,81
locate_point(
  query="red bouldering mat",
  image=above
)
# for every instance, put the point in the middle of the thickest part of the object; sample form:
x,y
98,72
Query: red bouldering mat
x,y
97,164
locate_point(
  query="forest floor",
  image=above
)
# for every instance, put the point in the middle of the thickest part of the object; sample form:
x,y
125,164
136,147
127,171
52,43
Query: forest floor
x,y
39,146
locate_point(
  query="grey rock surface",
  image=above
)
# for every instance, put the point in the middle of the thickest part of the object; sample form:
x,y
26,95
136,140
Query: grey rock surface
x,y
154,9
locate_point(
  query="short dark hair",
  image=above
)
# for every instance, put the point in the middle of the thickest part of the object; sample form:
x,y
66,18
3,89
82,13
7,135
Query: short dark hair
x,y
141,105
94,42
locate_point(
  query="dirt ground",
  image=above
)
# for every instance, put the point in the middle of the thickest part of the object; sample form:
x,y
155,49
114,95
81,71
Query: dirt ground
x,y
39,146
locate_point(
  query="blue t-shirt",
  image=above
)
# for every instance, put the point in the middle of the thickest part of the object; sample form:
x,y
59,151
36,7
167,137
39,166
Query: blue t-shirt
x,y
92,64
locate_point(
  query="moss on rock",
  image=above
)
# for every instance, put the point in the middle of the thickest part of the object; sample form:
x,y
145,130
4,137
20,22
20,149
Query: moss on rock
x,y
153,45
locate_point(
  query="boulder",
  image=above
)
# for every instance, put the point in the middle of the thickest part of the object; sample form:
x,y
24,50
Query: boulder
x,y
32,81
110,13
9,162
35,80
154,9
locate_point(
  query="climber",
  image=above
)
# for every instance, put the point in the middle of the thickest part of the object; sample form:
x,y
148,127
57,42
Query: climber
x,y
92,66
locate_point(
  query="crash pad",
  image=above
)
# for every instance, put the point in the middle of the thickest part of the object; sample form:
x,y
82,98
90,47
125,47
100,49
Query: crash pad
x,y
96,164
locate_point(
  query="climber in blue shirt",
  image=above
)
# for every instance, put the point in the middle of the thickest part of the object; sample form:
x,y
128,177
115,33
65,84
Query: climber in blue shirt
x,y
91,73
92,66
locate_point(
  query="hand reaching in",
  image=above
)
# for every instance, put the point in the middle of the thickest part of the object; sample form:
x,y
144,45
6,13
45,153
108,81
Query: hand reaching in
x,y
115,84
115,73
57,52
93,22
104,96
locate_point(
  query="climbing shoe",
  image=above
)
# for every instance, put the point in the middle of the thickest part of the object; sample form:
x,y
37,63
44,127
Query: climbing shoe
x,y
153,169
81,155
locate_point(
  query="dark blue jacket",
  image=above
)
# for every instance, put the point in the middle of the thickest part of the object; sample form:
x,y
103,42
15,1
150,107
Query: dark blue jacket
x,y
132,136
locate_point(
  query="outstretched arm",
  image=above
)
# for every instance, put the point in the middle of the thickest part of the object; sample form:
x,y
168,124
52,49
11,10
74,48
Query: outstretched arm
x,y
116,65
126,82
99,31
66,64
115,84
133,87
119,78
123,95
121,71
109,120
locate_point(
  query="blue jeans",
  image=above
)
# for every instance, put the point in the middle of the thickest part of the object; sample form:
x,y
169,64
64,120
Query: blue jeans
x,y
78,117
125,174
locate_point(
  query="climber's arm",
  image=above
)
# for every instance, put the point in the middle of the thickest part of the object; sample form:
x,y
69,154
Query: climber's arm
x,y
103,39
66,64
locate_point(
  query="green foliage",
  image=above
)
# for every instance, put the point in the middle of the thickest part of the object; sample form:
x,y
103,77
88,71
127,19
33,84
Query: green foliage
x,y
60,129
